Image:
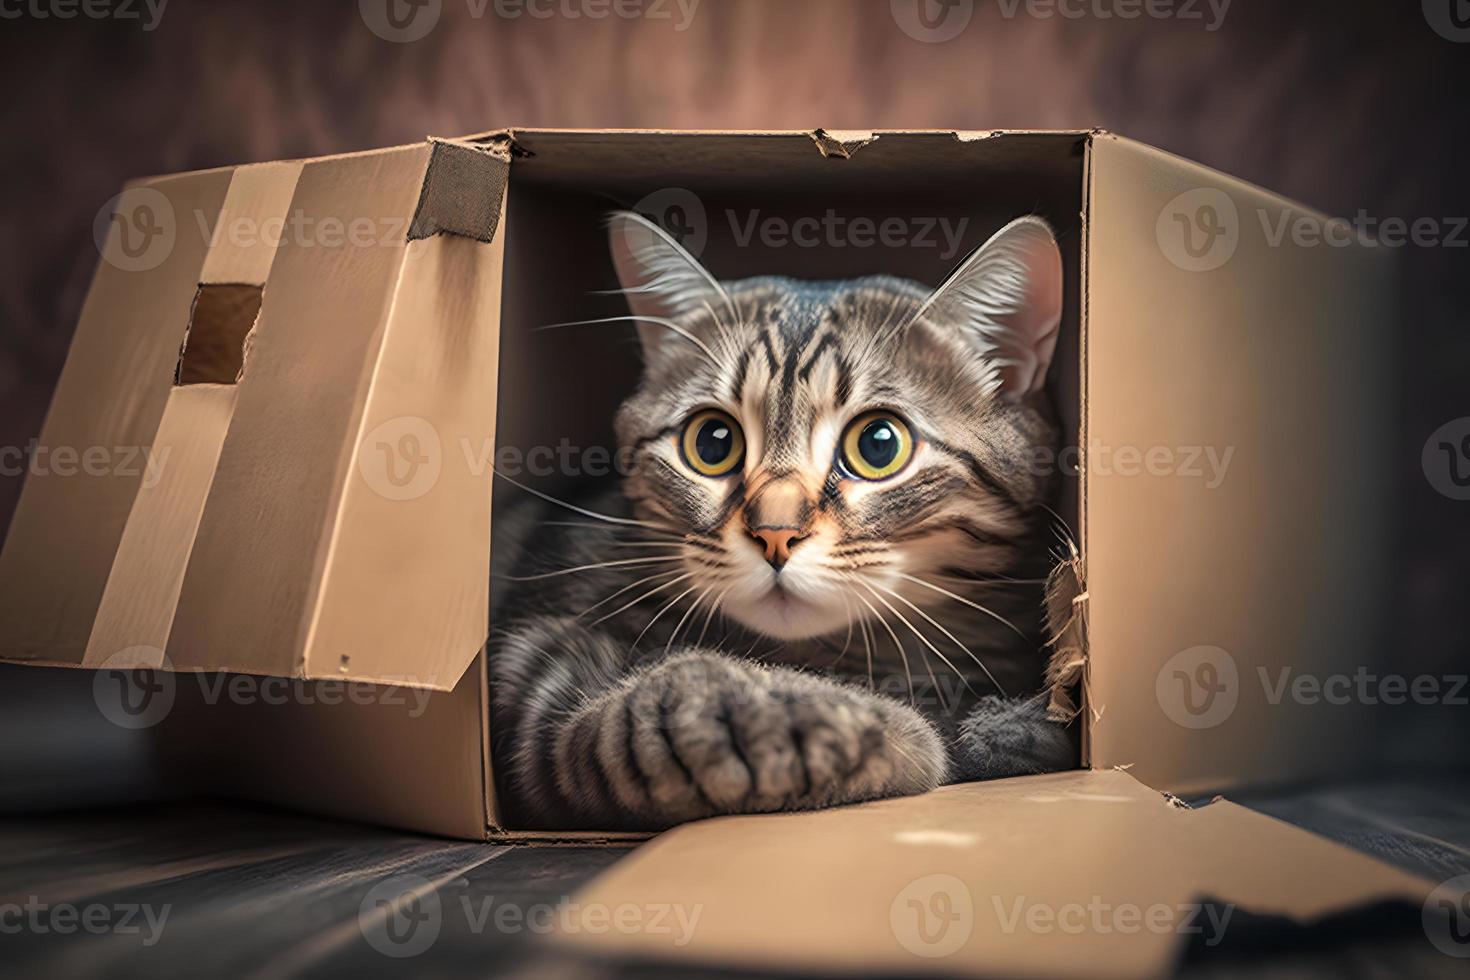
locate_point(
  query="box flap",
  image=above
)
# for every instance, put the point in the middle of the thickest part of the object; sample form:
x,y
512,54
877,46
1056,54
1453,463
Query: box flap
x,y
1244,539
1074,874
99,437
327,311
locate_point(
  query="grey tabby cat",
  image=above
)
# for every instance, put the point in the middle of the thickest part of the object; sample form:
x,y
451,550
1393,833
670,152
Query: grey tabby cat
x,y
824,574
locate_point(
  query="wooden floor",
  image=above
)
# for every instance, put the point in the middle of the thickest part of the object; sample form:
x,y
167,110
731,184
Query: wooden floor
x,y
215,890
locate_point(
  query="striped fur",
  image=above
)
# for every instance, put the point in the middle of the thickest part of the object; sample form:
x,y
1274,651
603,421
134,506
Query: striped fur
x,y
652,667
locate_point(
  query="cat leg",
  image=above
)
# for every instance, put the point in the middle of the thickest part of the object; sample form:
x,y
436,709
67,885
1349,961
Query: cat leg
x,y
698,734
1011,737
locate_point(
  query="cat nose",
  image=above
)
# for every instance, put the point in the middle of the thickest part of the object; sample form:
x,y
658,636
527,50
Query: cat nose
x,y
777,542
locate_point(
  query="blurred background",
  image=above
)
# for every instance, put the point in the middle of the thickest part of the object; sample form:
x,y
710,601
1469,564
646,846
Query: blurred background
x,y
1346,107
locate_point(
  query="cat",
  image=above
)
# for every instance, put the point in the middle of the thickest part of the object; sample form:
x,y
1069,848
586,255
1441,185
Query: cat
x,y
821,582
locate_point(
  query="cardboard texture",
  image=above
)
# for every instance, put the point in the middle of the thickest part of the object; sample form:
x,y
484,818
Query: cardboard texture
x,y
319,515
1082,874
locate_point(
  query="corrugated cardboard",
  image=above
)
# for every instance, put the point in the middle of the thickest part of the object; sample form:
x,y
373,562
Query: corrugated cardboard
x,y
276,541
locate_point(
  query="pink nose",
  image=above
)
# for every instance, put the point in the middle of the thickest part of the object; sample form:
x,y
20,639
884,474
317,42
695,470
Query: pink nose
x,y
778,542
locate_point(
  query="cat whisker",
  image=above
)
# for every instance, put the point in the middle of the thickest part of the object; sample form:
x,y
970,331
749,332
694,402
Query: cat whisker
x,y
953,639
713,608
656,616
961,599
902,653
1000,580
938,692
649,594
868,645
846,643
635,318
652,560
627,521
685,618
627,588
662,537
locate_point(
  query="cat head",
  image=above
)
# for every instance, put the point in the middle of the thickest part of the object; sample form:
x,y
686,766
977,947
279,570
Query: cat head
x,y
821,450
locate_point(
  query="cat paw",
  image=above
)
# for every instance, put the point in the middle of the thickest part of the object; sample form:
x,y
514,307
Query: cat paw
x,y
703,734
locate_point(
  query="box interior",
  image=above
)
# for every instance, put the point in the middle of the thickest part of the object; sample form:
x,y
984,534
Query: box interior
x,y
563,386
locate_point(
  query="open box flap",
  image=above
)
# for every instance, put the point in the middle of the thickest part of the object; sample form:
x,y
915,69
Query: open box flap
x,y
1085,873
1245,543
260,541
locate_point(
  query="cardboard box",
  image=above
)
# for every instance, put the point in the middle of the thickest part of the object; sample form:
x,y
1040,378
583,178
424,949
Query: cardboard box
x,y
324,510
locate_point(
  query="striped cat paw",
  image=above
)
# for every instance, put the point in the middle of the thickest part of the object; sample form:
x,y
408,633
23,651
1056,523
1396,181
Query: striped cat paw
x,y
703,734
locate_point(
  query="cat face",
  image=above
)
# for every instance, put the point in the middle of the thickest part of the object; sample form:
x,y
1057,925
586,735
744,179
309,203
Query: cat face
x,y
823,453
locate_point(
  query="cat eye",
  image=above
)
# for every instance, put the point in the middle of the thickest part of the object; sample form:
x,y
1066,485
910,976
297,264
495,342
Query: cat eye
x,y
876,446
712,443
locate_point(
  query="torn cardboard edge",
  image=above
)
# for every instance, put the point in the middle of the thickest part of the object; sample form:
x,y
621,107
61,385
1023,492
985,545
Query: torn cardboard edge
x,y
950,883
841,143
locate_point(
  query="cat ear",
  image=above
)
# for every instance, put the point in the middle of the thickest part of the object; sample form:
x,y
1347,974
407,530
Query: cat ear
x,y
661,280
1007,299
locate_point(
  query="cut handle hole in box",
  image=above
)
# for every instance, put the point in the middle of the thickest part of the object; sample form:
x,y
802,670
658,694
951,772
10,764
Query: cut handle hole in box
x,y
213,351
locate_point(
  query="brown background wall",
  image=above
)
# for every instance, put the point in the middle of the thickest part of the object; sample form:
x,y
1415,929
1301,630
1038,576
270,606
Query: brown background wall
x,y
1343,106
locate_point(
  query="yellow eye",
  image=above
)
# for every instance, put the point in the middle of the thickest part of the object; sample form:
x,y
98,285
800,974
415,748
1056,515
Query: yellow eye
x,y
712,442
876,446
